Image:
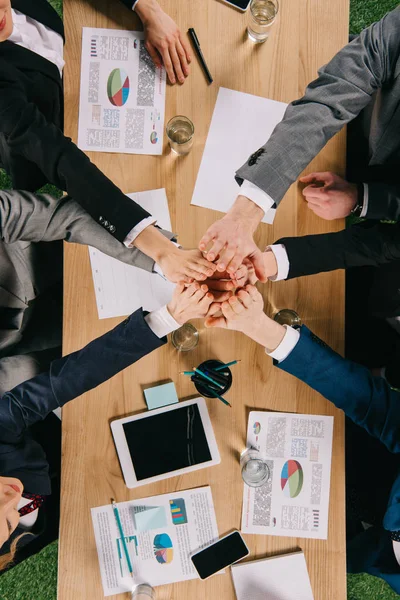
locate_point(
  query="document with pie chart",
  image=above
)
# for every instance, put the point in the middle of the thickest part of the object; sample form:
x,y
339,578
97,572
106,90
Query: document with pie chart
x,y
294,501
122,94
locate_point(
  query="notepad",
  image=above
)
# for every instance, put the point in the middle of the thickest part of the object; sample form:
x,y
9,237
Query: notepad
x,y
283,577
160,395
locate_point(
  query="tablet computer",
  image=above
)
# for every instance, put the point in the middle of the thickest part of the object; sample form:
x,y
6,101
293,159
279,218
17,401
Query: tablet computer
x,y
165,442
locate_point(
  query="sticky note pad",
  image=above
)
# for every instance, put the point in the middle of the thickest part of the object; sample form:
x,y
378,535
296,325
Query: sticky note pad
x,y
161,395
150,517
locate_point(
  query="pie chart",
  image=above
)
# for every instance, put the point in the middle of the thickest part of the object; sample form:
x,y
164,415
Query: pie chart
x,y
163,548
118,87
292,478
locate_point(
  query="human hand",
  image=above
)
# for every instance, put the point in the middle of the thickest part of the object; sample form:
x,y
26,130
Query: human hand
x,y
245,312
164,40
223,284
231,238
190,301
185,265
329,196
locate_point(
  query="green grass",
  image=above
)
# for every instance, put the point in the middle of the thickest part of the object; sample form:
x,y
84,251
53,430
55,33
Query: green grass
x,y
36,578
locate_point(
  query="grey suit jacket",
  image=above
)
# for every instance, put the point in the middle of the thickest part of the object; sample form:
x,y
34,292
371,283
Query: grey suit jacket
x,y
30,267
364,77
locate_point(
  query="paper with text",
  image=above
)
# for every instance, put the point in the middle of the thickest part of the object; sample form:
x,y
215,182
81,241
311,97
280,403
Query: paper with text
x,y
295,500
158,556
122,94
120,288
240,125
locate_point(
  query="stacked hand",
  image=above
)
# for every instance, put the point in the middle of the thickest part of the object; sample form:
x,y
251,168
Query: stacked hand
x,y
190,301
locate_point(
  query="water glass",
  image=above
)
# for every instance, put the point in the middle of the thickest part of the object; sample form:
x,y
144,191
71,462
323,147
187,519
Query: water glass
x,y
262,15
287,316
143,592
180,133
255,471
185,338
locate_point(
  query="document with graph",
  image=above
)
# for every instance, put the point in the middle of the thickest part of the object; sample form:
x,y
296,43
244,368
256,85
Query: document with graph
x,y
294,501
122,95
161,533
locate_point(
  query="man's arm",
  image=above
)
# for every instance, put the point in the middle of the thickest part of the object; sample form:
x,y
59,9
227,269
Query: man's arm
x,y
367,400
344,87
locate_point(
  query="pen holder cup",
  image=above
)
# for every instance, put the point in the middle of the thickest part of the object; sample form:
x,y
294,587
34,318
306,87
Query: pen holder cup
x,y
223,377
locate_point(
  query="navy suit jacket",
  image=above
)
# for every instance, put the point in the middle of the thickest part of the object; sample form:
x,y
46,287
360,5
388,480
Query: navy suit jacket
x,y
370,403
21,455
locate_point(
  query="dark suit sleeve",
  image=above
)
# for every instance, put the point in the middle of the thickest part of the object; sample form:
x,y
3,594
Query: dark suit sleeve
x,y
29,134
367,400
75,374
344,87
383,201
128,3
359,245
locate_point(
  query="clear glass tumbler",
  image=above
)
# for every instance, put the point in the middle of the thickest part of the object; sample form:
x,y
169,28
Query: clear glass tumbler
x,y
262,15
255,471
180,133
287,316
185,338
143,592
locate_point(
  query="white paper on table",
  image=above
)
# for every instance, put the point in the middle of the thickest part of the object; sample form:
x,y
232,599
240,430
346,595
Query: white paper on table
x,y
122,94
120,288
158,556
241,123
275,578
297,506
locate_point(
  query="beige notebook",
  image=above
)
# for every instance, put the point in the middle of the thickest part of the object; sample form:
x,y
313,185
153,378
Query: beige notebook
x,y
283,577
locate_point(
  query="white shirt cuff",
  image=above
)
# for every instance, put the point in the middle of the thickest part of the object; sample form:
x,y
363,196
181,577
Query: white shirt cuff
x,y
134,4
161,322
365,201
132,235
282,261
256,195
286,346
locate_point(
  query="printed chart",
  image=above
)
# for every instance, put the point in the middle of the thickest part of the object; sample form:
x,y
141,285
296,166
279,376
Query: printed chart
x,y
178,511
118,87
292,478
163,548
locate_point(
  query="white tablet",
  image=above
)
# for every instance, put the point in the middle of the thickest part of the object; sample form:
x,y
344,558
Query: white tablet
x,y
165,442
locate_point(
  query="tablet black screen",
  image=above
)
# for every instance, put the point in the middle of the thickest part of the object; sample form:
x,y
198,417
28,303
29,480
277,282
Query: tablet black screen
x,y
166,442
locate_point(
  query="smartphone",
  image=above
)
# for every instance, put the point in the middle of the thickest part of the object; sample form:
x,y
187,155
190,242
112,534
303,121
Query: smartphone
x,y
240,4
219,555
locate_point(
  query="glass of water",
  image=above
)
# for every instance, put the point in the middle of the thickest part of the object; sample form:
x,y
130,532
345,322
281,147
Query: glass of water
x,y
262,15
143,592
255,471
185,338
287,316
180,133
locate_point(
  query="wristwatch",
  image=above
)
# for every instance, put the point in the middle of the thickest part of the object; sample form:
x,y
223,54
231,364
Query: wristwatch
x,y
357,210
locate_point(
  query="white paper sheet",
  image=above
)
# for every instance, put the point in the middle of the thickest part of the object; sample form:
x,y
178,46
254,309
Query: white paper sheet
x,y
158,556
120,288
295,500
241,123
122,94
274,578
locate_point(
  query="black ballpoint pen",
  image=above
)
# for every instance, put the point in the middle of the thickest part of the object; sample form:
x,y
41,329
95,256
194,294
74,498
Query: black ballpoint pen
x,y
199,53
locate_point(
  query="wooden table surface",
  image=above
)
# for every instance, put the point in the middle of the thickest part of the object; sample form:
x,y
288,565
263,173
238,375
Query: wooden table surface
x,y
308,34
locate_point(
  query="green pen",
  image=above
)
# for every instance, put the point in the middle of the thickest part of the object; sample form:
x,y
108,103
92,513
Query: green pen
x,y
229,364
121,533
220,386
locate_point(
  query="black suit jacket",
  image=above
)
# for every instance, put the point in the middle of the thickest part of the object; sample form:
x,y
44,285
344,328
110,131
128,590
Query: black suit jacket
x,y
366,244
33,148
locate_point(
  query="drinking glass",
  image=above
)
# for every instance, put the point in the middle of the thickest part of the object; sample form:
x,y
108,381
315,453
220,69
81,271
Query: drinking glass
x,y
287,316
180,133
261,16
255,471
185,338
143,592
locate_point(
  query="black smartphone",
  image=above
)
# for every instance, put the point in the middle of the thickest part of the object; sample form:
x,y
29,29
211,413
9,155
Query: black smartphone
x,y
219,555
240,4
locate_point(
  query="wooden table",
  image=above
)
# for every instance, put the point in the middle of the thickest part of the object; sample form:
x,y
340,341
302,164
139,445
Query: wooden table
x,y
308,35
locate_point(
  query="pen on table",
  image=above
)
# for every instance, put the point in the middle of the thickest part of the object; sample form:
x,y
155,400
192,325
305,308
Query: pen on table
x,y
229,364
121,533
199,53
219,385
